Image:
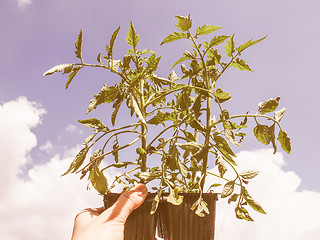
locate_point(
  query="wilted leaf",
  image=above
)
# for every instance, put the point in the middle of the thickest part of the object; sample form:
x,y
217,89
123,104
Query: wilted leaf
x,y
227,189
78,160
174,36
192,146
268,106
197,125
233,198
174,196
285,141
249,174
206,29
256,206
59,68
155,202
98,180
278,115
221,95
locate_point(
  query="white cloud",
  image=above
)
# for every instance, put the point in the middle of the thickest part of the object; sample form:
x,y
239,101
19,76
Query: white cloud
x,y
44,206
47,147
73,129
23,3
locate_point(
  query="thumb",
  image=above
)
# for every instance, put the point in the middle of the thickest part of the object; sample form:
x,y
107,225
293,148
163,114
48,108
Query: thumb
x,y
126,203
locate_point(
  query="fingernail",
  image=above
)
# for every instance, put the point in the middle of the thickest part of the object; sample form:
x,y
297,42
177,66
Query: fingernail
x,y
140,189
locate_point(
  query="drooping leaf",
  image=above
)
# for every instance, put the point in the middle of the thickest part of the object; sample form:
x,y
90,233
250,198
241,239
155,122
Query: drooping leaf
x,y
99,58
273,137
241,65
160,118
262,134
227,189
183,169
233,198
249,174
155,202
268,106
78,46
133,37
98,180
197,125
285,141
192,146
278,115
174,196
72,75
109,47
242,213
174,36
256,206
248,44
59,68
230,49
93,123
137,110
116,106
206,29
223,145
78,160
115,152
184,23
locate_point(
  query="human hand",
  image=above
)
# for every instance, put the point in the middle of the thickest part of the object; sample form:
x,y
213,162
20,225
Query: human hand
x,y
101,224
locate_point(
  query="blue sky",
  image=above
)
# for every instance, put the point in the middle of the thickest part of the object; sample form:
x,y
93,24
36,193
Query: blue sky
x,y
37,35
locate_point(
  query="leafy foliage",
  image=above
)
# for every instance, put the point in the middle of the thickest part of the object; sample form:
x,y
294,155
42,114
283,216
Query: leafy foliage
x,y
171,123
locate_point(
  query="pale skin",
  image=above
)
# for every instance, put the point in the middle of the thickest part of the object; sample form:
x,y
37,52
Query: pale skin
x,y
101,224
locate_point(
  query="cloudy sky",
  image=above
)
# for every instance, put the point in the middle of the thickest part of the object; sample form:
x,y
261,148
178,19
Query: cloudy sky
x,y
38,117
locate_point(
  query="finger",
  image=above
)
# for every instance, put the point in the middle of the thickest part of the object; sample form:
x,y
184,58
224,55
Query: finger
x,y
126,203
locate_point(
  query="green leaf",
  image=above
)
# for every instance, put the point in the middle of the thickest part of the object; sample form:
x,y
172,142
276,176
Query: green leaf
x,y
133,37
174,36
223,145
218,40
268,106
78,45
230,49
206,29
285,141
183,58
262,134
184,23
109,48
248,44
249,174
78,160
72,75
227,189
98,180
137,110
93,123
241,65
59,68
107,95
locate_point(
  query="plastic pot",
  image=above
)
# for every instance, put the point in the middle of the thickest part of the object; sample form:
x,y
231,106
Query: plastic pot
x,y
181,223
140,225
172,222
